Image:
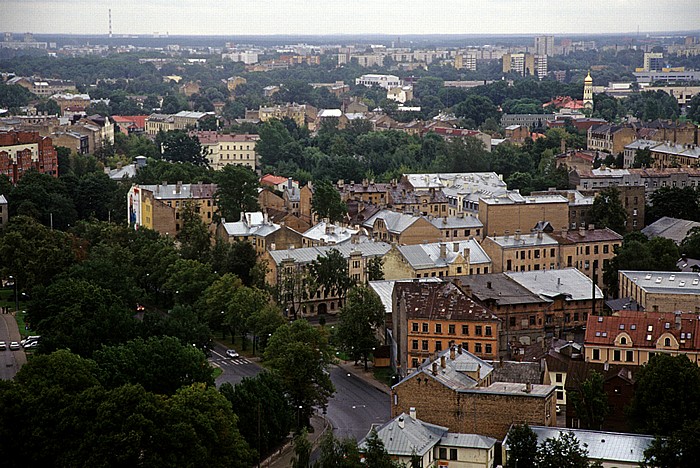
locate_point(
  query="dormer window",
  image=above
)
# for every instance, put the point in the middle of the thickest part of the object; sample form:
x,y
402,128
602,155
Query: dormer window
x,y
623,340
667,342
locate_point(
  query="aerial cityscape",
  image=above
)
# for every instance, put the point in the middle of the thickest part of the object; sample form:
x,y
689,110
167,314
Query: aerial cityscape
x,y
350,234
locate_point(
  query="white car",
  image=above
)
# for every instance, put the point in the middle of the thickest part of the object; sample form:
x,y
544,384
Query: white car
x,y
3,346
231,353
14,346
31,344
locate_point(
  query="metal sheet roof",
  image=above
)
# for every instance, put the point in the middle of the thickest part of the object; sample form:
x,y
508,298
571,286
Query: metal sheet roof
x,y
309,254
551,283
667,282
421,256
415,436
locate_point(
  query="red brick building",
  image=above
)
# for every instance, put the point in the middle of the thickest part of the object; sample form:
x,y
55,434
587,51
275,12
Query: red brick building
x,y
22,151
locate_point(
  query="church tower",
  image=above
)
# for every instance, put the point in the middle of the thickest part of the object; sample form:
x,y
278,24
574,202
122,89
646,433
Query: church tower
x,y
588,92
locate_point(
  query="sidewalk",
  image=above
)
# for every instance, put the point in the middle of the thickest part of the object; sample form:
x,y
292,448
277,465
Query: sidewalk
x,y
284,456
359,371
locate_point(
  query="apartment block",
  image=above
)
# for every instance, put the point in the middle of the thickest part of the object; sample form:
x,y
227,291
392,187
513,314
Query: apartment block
x,y
22,151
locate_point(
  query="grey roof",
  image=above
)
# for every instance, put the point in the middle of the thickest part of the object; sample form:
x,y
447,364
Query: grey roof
x,y
293,193
666,282
395,222
517,372
608,446
670,228
416,435
421,256
3,200
123,172
454,439
457,222
330,233
523,240
551,283
385,289
454,374
309,254
499,288
688,264
181,191
512,196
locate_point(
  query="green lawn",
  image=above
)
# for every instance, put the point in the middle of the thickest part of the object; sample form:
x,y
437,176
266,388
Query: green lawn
x,y
383,374
19,316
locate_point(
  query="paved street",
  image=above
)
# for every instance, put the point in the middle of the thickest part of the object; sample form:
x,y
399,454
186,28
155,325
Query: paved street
x,y
356,405
234,369
10,361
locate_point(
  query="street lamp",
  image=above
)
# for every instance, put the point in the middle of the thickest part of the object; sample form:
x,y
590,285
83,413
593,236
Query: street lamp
x,y
14,282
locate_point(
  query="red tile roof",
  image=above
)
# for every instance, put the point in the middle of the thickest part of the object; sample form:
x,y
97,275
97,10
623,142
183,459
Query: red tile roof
x,y
644,329
269,179
138,121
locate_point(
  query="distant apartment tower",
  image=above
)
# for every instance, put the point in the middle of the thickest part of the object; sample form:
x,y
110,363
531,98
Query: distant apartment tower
x,y
465,61
544,45
653,61
525,64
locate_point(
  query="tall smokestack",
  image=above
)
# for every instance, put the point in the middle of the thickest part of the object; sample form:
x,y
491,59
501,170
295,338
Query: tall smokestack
x,y
110,22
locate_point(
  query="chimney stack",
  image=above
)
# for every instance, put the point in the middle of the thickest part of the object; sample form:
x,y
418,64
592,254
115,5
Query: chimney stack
x,y
517,234
435,368
459,349
401,422
443,364
528,387
443,250
455,247
412,412
452,353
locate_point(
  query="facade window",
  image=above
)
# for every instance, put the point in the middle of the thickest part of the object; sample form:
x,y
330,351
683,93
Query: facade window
x,y
451,329
477,348
606,248
629,356
414,344
512,321
425,328
489,348
667,341
442,453
453,454
488,330
616,355
424,345
414,362
596,355
438,328
465,329
415,327
595,250
559,377
532,320
477,330
438,345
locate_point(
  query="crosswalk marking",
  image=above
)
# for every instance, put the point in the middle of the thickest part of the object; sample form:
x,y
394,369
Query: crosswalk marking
x,y
230,362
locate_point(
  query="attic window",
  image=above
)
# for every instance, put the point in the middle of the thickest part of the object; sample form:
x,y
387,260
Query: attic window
x,y
600,319
650,328
648,276
689,335
597,333
658,279
682,336
672,278
622,326
681,284
648,337
695,282
605,334
667,325
633,327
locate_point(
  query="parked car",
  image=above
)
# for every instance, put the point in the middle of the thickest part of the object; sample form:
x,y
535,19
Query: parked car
x,y
29,339
31,344
14,346
231,353
3,346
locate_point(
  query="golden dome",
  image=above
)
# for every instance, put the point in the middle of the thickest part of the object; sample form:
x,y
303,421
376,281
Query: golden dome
x,y
588,78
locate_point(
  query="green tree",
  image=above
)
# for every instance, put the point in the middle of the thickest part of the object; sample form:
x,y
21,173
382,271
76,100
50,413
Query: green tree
x,y
693,109
330,271
607,210
336,453
237,191
238,257
690,246
564,451
302,449
244,304
477,109
326,202
375,270
263,323
360,318
186,323
265,415
187,280
160,364
522,447
375,453
300,354
49,107
678,450
178,146
667,395
590,402
642,158
675,202
194,236
14,96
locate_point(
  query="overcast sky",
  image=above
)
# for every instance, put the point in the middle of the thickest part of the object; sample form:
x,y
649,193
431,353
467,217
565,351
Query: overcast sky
x,y
234,17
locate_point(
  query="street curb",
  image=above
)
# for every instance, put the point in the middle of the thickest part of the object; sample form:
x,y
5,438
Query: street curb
x,y
367,377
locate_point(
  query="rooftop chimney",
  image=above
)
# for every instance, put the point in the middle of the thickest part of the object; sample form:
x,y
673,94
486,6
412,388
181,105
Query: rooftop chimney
x,y
517,234
435,368
401,423
412,412
528,387
452,353
443,364
455,247
443,250
459,349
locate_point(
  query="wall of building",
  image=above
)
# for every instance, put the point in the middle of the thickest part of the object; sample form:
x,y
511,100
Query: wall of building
x,y
498,218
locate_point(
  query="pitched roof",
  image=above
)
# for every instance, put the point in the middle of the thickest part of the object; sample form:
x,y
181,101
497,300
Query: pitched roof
x,y
665,282
395,222
569,282
330,233
440,301
415,436
670,228
309,254
385,290
454,439
584,236
421,256
500,289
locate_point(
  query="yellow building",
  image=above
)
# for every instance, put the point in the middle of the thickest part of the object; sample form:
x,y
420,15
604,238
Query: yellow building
x,y
224,149
662,291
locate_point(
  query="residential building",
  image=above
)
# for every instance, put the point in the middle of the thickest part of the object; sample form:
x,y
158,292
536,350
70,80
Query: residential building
x,y
670,228
185,120
630,151
4,212
430,317
383,81
400,94
544,45
223,149
159,207
22,151
277,183
650,179
74,141
43,87
631,337
406,436
589,250
327,233
611,449
65,100
457,389
511,212
517,252
653,61
159,123
436,260
367,192
531,121
407,198
130,124
661,290
298,113
256,228
401,228
668,75
456,228
610,138
288,270
525,64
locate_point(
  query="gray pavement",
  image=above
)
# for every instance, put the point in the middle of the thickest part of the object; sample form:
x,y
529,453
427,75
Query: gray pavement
x,y
283,458
234,369
10,361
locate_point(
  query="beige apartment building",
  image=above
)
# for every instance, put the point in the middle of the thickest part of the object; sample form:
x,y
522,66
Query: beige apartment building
x,y
224,149
662,291
518,252
588,250
512,212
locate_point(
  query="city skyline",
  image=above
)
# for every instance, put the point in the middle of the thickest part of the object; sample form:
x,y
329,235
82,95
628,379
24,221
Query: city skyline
x,y
326,17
